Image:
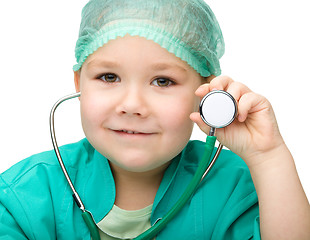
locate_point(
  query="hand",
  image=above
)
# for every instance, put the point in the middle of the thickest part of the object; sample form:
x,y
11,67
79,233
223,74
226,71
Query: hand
x,y
255,130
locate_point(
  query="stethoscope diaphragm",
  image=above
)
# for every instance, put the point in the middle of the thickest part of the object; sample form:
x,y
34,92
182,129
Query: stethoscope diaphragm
x,y
218,109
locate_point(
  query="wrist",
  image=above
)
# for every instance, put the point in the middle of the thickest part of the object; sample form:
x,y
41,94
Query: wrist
x,y
274,159
271,170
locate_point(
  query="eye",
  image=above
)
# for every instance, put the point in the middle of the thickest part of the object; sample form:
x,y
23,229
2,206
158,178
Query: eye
x,y
109,78
162,82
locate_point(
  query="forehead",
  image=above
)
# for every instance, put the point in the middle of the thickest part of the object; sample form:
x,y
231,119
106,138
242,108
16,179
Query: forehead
x,y
135,49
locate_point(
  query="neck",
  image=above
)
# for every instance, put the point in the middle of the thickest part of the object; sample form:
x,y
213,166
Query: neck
x,y
136,190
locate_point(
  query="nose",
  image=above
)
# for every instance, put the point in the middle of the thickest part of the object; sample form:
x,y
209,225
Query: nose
x,y
133,102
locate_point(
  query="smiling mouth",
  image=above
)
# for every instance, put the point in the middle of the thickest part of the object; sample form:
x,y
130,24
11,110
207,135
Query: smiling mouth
x,y
129,132
123,131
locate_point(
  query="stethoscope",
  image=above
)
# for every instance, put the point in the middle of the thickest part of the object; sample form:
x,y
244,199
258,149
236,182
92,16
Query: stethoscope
x,y
217,109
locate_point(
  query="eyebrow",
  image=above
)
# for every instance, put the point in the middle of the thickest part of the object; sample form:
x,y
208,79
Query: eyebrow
x,y
164,66
160,66
106,63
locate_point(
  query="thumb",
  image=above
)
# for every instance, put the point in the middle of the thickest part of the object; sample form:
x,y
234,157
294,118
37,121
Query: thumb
x,y
195,117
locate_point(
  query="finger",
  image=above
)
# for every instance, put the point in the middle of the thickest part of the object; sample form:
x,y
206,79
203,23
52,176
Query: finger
x,y
195,117
220,83
203,90
217,83
249,103
237,89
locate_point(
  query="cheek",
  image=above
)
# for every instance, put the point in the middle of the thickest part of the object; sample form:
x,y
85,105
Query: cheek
x,y
88,109
93,112
177,112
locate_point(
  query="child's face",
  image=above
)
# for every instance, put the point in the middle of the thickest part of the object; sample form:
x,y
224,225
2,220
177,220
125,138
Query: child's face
x,y
132,84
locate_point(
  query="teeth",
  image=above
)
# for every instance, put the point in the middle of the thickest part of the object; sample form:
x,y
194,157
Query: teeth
x,y
130,132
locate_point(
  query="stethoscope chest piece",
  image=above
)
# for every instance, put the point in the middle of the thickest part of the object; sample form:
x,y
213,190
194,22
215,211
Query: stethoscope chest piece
x,y
218,109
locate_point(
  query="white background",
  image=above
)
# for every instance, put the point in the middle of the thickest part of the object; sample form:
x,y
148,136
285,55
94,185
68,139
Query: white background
x,y
267,48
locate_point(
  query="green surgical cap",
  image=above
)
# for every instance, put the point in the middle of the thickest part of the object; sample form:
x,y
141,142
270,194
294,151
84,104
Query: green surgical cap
x,y
186,28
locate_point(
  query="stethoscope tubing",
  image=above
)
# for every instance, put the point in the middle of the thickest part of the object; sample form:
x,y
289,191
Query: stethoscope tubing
x,y
204,167
55,145
87,216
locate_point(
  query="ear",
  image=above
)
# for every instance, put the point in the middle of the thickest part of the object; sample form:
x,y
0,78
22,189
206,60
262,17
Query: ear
x,y
77,77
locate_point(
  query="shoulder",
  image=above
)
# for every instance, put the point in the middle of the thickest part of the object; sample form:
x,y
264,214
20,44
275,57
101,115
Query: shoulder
x,y
30,189
229,172
36,189
228,185
33,164
224,201
227,159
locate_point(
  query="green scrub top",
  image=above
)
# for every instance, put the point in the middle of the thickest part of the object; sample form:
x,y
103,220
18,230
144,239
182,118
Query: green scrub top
x,y
36,201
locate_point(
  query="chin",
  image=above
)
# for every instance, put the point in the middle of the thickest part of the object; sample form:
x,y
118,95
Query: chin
x,y
138,164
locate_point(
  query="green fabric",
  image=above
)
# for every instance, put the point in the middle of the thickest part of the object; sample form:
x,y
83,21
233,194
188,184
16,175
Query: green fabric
x,y
36,202
186,28
122,224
